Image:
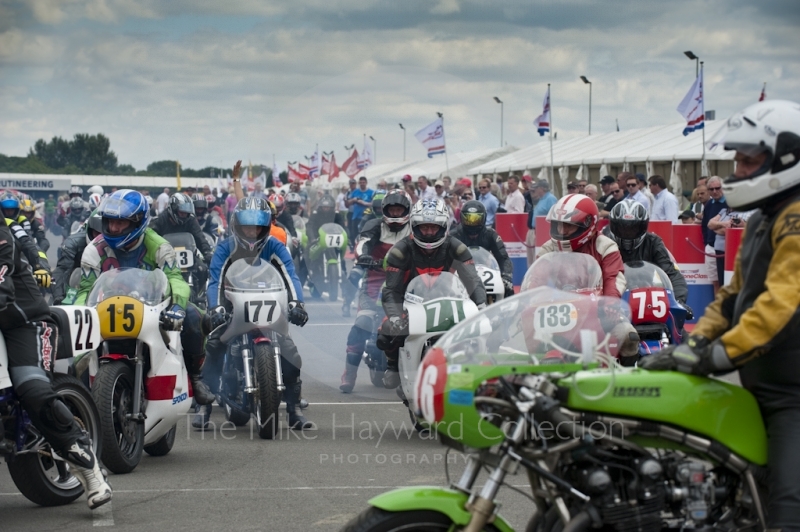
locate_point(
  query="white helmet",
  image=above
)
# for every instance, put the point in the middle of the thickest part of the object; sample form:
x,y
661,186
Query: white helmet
x,y
94,200
771,127
97,189
426,212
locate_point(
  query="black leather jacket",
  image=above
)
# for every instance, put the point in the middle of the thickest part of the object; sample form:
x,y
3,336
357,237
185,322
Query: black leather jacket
x,y
163,225
71,253
406,260
489,240
654,251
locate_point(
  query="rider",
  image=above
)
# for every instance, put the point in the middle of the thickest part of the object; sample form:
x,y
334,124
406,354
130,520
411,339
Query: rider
x,y
128,243
75,211
71,253
207,224
250,227
284,217
323,214
428,249
294,204
34,228
31,339
753,322
374,242
10,205
474,232
628,223
573,227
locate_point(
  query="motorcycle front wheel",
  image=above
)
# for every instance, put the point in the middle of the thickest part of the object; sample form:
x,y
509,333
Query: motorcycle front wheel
x,y
268,397
123,437
333,281
44,480
163,445
377,520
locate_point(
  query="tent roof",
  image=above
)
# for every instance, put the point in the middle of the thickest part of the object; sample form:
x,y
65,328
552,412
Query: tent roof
x,y
658,144
455,165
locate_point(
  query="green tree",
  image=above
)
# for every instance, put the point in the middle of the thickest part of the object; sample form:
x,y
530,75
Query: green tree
x,y
87,153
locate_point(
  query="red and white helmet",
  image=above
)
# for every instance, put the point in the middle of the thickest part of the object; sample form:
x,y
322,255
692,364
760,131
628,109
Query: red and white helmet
x,y
278,201
580,213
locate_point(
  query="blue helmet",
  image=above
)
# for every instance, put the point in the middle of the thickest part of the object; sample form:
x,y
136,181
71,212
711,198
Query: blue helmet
x,y
251,212
125,204
9,203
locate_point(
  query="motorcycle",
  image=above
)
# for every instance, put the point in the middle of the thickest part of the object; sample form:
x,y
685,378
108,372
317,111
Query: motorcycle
x,y
433,304
251,381
39,473
655,313
298,250
605,448
139,379
324,259
489,272
189,260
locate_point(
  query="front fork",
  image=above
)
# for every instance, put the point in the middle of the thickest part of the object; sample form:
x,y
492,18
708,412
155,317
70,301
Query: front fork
x,y
247,364
138,384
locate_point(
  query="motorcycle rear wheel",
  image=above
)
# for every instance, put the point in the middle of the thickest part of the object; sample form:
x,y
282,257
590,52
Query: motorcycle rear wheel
x,y
43,480
163,445
123,438
377,520
268,397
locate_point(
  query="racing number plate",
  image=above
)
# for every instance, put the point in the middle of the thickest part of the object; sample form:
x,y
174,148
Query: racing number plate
x,y
185,258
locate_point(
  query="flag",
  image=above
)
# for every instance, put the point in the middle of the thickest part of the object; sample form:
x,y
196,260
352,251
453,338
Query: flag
x,y
542,121
295,176
763,93
350,166
326,166
262,179
366,156
276,175
692,107
432,137
333,172
221,185
178,174
313,166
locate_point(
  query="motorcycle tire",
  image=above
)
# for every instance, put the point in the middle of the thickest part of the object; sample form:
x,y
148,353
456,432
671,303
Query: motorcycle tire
x,y
377,520
333,281
163,445
43,480
268,397
123,439
234,415
376,377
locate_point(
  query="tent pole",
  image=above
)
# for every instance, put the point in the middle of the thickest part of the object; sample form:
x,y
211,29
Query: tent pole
x,y
552,168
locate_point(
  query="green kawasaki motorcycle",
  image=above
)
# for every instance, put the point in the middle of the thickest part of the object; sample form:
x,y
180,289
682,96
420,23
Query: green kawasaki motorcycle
x,y
324,259
603,447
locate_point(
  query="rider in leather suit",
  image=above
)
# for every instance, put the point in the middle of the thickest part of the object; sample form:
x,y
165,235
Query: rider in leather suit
x,y
754,322
31,338
250,227
71,253
428,249
628,228
474,232
374,242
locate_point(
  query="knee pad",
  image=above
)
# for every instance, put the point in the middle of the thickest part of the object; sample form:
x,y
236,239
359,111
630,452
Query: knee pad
x,y
60,415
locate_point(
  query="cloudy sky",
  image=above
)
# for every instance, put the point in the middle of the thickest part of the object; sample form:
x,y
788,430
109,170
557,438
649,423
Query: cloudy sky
x,y
207,82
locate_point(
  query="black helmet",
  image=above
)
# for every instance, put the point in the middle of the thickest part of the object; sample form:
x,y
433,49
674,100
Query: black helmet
x,y
628,222
200,205
377,204
473,218
94,226
396,197
180,203
76,206
326,208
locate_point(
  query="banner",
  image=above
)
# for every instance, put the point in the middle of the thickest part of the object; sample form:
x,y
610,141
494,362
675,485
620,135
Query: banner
x,y
276,175
542,121
350,166
313,166
366,156
325,168
432,137
692,107
333,172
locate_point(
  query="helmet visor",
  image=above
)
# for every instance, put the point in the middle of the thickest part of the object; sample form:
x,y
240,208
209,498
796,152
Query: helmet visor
x,y
253,217
472,218
117,208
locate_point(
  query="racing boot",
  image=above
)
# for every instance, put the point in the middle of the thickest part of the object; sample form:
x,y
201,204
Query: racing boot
x,y
346,309
85,466
350,371
296,421
202,416
202,393
391,377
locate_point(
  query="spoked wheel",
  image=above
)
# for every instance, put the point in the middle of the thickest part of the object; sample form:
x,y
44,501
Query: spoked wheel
x,y
377,520
43,479
268,398
333,281
123,437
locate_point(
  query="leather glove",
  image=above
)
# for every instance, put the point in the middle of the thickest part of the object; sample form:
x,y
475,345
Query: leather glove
x,y
395,326
297,314
172,319
42,277
366,262
481,306
509,288
697,356
689,311
208,256
218,316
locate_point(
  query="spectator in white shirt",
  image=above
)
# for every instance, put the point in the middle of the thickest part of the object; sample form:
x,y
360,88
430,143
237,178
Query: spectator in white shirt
x,y
162,201
440,192
515,201
589,190
643,188
665,205
425,192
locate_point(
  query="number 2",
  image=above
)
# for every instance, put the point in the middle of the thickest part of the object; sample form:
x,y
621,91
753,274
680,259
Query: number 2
x,y
488,278
80,319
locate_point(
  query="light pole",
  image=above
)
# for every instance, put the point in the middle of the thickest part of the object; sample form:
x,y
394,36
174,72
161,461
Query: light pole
x,y
404,142
374,150
696,60
590,101
498,100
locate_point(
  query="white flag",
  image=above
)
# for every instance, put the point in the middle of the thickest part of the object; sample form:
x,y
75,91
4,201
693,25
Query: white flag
x,y
276,175
432,137
367,158
313,166
692,107
542,121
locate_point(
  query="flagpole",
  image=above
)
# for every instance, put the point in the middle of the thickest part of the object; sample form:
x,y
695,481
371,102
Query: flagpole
x,y
552,167
444,140
703,92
